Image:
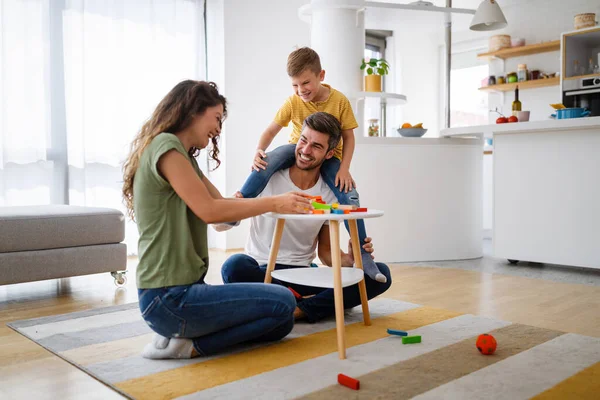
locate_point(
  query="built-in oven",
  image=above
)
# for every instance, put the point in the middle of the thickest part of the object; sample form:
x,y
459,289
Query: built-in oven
x,y
583,92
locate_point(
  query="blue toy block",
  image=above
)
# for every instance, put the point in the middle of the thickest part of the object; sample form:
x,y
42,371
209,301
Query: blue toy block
x,y
397,332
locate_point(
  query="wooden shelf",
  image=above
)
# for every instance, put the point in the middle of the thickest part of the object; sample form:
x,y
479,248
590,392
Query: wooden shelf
x,y
522,50
507,87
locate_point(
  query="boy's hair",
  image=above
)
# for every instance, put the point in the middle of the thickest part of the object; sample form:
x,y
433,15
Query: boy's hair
x,y
302,59
325,123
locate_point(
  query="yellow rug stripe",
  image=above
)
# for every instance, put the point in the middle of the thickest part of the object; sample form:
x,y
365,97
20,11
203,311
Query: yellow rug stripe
x,y
103,352
583,385
193,378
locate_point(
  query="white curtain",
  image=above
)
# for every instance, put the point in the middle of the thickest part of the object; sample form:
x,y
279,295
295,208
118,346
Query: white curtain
x,y
78,79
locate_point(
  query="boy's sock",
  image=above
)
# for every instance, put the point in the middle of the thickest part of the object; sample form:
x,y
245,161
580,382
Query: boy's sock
x,y
162,347
371,269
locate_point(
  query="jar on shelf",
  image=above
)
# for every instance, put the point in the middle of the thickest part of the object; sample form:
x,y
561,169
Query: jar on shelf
x,y
500,80
522,72
511,77
374,127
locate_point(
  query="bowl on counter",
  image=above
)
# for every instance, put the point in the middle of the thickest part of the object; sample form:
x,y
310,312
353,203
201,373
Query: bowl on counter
x,y
411,132
575,112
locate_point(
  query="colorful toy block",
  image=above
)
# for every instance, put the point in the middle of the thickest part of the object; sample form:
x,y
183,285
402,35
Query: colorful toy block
x,y
397,332
348,382
336,211
411,339
321,206
360,209
318,211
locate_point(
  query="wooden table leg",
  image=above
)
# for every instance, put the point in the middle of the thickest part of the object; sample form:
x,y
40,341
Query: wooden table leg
x,y
336,260
362,287
274,249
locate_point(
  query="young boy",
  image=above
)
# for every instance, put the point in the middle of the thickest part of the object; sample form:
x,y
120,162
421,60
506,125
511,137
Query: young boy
x,y
310,96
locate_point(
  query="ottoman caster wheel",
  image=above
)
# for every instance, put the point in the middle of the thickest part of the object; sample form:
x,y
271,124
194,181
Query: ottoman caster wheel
x,y
513,262
120,278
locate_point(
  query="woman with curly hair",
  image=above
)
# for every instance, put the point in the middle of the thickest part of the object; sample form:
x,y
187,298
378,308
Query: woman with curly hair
x,y
172,202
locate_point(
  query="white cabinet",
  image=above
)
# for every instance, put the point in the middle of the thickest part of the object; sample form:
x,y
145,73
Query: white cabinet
x,y
547,194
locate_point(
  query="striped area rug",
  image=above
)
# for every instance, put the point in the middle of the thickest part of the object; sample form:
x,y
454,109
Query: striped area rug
x,y
530,362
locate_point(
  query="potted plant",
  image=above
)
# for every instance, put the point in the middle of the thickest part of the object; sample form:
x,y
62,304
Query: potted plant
x,y
374,68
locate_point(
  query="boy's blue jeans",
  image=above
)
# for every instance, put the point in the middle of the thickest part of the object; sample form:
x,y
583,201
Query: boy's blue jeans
x,y
243,268
219,317
284,157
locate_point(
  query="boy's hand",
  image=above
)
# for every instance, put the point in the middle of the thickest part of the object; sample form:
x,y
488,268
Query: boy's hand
x,y
368,246
344,180
258,162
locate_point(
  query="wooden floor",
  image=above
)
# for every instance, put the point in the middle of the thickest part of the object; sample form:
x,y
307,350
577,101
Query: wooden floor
x,y
29,371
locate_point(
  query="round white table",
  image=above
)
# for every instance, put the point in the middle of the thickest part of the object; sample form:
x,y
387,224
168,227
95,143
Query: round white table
x,y
336,277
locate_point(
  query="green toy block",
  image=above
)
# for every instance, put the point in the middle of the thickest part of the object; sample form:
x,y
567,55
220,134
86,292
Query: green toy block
x,y
411,339
319,206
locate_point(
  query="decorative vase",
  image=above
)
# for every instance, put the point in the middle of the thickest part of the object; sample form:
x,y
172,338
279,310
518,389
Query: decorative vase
x,y
373,83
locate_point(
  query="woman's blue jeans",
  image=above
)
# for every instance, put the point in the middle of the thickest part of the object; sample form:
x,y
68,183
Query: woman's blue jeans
x,y
284,157
243,268
219,317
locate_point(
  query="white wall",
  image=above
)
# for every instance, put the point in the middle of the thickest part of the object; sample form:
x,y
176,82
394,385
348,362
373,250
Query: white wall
x,y
250,41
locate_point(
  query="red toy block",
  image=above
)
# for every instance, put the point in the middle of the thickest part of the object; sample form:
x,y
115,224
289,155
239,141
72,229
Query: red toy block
x,y
296,294
360,209
348,382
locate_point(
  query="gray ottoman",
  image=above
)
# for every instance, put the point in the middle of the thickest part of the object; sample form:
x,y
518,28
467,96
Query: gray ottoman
x,y
58,241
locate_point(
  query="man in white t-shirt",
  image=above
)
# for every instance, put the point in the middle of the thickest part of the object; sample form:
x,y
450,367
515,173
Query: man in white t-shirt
x,y
320,135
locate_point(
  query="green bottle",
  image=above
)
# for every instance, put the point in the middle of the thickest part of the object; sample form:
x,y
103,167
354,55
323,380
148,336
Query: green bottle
x,y
516,105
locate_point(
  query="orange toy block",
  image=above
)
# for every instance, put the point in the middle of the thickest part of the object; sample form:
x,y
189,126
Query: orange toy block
x,y
346,211
348,382
318,212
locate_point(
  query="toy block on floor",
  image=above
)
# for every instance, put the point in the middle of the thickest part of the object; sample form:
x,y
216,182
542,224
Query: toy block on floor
x,y
348,382
411,339
397,332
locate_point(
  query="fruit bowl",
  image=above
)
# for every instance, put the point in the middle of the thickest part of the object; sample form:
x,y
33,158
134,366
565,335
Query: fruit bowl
x,y
411,132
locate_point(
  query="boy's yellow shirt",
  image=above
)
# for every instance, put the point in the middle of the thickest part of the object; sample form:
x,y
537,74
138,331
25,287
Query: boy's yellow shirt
x,y
296,111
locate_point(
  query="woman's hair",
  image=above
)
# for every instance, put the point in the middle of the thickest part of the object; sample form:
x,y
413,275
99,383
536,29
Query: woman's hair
x,y
174,113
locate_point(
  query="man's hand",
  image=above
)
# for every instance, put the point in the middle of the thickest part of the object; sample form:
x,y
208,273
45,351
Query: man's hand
x,y
344,180
259,162
368,246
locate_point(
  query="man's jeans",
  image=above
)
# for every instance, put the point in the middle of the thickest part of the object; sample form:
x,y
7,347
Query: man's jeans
x,y
284,157
218,317
243,268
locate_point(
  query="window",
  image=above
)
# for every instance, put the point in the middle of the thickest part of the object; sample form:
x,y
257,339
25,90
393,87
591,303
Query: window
x,y
78,79
468,104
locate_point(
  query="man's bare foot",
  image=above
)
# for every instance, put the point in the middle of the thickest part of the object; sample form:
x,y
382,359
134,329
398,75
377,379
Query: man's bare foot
x,y
299,314
238,195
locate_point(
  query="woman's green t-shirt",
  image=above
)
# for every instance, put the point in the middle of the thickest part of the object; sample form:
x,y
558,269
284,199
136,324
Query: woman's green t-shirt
x,y
173,246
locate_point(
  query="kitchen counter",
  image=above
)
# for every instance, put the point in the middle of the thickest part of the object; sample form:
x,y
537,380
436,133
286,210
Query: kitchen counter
x,y
430,190
548,125
545,189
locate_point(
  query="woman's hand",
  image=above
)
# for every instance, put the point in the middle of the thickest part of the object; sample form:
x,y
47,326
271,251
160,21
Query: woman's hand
x,y
368,246
293,203
259,162
344,180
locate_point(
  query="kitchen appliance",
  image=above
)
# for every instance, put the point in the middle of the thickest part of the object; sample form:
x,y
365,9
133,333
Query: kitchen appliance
x,y
579,87
582,93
